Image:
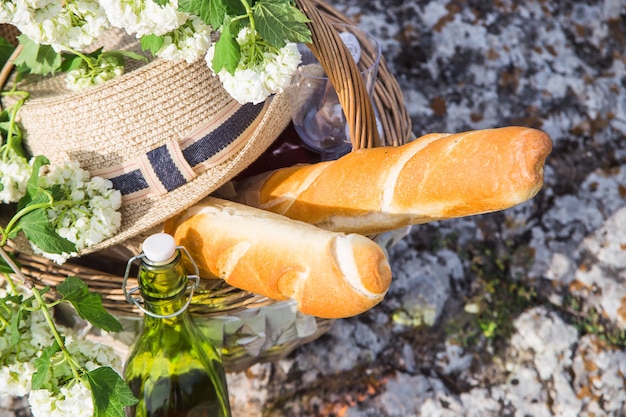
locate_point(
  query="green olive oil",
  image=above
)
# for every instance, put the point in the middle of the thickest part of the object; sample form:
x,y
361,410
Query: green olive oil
x,y
173,369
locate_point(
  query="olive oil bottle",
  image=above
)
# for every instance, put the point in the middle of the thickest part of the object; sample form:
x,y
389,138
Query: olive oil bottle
x,y
173,369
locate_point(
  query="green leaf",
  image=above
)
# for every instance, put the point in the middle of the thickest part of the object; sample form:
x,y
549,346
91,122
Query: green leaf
x,y
236,8
5,125
5,117
43,366
118,56
6,49
37,228
13,298
88,304
72,62
279,22
227,52
211,12
33,188
15,326
152,43
35,224
39,59
109,392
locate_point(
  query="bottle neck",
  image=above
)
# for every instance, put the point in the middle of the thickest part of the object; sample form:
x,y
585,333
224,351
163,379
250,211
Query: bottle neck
x,y
163,286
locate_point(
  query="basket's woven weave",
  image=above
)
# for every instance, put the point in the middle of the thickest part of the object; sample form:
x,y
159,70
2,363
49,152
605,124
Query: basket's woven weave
x,y
388,98
103,270
9,33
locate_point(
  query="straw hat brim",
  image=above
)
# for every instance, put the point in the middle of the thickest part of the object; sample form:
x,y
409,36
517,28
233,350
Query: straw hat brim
x,y
169,127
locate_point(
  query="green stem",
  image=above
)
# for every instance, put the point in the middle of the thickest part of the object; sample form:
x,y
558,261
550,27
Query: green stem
x,y
84,57
14,92
14,111
11,284
54,303
246,6
5,256
4,322
46,313
10,145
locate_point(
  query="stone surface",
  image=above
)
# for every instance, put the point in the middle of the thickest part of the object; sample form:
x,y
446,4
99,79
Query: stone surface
x,y
558,66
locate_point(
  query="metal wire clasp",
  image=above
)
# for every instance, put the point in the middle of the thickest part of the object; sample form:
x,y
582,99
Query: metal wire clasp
x,y
137,301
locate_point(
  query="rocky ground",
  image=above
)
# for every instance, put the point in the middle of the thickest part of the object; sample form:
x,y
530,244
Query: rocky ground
x,y
516,313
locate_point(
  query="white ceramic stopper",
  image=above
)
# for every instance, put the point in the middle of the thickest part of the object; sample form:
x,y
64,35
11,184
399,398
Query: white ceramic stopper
x,y
159,248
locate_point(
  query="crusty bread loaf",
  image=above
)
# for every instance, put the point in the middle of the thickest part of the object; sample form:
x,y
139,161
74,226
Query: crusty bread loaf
x,y
435,177
329,274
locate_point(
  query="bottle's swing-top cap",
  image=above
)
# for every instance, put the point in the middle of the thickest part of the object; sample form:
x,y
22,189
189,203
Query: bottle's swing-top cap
x,y
159,248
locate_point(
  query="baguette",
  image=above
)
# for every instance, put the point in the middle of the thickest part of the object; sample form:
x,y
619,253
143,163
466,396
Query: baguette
x,y
328,274
435,177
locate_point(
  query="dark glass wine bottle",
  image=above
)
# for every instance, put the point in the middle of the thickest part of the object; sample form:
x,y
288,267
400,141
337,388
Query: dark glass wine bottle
x,y
173,369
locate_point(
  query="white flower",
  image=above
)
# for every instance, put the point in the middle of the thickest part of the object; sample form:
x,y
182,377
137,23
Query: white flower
x,y
89,221
254,81
74,398
77,397
144,17
245,86
29,16
189,42
281,67
40,334
15,378
14,175
74,401
61,395
34,334
74,24
41,402
7,11
92,355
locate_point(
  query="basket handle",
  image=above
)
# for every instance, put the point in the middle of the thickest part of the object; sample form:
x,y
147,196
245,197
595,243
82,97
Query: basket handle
x,y
343,74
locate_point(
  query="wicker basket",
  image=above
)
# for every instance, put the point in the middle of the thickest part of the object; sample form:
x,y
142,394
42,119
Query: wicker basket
x,y
233,308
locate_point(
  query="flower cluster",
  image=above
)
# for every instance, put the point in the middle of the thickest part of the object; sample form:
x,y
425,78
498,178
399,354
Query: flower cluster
x,y
74,400
77,209
16,366
144,17
14,174
60,393
74,24
188,42
172,32
63,395
14,167
88,211
263,70
87,75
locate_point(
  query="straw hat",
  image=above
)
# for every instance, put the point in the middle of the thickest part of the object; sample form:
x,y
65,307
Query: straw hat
x,y
166,134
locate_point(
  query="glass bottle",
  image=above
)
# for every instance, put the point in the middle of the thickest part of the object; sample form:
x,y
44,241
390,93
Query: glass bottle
x,y
173,369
